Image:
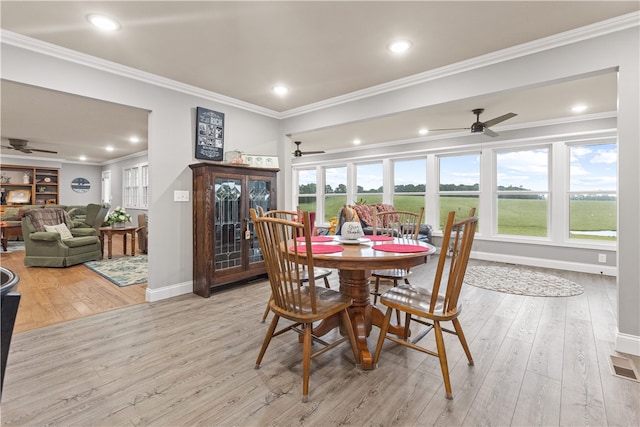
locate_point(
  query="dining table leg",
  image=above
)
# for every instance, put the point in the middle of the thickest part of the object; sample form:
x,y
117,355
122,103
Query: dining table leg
x,y
362,313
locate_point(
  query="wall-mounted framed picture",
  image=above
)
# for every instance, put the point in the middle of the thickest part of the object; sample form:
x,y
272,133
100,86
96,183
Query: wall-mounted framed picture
x,y
19,196
209,134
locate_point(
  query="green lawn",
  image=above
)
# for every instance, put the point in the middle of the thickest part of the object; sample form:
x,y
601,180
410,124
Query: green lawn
x,y
523,217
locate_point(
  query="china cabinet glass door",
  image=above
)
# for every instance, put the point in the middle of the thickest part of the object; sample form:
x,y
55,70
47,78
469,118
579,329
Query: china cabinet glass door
x,y
228,223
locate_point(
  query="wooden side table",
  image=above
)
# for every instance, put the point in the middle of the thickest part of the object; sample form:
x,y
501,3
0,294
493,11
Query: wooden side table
x,y
110,231
8,231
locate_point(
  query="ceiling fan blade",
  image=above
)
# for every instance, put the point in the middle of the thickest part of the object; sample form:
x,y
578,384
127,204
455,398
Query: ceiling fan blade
x,y
436,130
499,119
489,132
42,151
313,152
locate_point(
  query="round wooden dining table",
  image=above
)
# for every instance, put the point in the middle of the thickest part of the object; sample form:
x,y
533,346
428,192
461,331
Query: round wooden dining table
x,y
355,262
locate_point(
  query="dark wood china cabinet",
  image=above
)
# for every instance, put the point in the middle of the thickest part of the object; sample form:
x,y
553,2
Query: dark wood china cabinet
x,y
225,247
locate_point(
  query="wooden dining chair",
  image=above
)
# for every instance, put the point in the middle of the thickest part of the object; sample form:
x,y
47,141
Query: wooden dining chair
x,y
402,224
430,307
291,299
318,273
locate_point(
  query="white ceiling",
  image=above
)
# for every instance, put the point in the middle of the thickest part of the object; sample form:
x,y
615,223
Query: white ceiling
x,y
320,50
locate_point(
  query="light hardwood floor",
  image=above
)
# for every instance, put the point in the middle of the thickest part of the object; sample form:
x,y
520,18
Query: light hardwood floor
x,y
54,295
190,361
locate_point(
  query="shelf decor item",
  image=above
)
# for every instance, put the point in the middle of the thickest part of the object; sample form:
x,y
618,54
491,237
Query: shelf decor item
x,y
209,134
118,217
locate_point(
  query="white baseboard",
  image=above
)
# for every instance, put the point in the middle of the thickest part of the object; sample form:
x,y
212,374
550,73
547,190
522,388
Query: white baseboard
x,y
169,291
547,263
626,343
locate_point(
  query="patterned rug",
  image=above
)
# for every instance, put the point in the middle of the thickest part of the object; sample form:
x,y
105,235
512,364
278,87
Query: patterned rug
x,y
520,281
123,271
15,246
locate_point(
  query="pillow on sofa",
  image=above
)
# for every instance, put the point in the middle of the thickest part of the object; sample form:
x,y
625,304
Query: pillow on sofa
x,y
365,214
10,214
65,233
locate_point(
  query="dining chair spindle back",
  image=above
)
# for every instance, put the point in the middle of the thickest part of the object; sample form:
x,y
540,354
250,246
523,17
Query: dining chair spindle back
x,y
318,273
403,224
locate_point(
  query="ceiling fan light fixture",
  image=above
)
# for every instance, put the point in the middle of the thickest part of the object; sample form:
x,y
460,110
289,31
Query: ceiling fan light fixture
x,y
399,46
103,22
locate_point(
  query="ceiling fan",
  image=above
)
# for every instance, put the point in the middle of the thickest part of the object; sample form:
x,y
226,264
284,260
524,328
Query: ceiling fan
x,y
479,126
299,153
21,145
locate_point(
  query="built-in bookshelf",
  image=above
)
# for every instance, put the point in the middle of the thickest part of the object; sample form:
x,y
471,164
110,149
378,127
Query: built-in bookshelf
x,y
28,185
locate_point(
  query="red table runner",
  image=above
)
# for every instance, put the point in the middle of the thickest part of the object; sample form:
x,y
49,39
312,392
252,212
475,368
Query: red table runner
x,y
316,239
394,247
378,238
321,249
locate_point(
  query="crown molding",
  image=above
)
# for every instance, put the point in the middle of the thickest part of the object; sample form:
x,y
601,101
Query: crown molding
x,y
598,29
49,49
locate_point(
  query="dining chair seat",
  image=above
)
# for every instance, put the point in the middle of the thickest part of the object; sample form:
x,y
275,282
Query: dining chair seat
x,y
318,273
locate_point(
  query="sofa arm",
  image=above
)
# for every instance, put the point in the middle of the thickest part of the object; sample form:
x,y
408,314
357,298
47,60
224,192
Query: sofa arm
x,y
83,231
45,236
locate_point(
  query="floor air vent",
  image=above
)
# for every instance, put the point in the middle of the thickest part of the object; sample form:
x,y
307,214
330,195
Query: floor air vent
x,y
623,368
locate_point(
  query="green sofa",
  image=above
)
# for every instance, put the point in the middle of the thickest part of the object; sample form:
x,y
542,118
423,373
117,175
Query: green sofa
x,y
48,249
82,215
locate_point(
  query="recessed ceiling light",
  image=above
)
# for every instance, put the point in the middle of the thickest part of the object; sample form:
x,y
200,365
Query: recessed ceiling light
x,y
83,158
280,90
399,46
356,141
134,139
103,22
109,148
579,108
423,131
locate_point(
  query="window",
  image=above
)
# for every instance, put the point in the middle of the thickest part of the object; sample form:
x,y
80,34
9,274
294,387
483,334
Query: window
x,y
369,183
409,184
523,192
592,192
335,191
307,184
459,185
135,187
144,175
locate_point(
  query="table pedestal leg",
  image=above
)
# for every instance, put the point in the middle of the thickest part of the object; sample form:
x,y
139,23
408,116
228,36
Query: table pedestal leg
x,y
363,315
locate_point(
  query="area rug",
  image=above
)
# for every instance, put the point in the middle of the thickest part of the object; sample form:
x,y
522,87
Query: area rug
x,y
15,246
123,271
521,281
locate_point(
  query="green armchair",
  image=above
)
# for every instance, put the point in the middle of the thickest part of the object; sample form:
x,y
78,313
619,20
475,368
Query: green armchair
x,y
94,216
51,249
143,233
